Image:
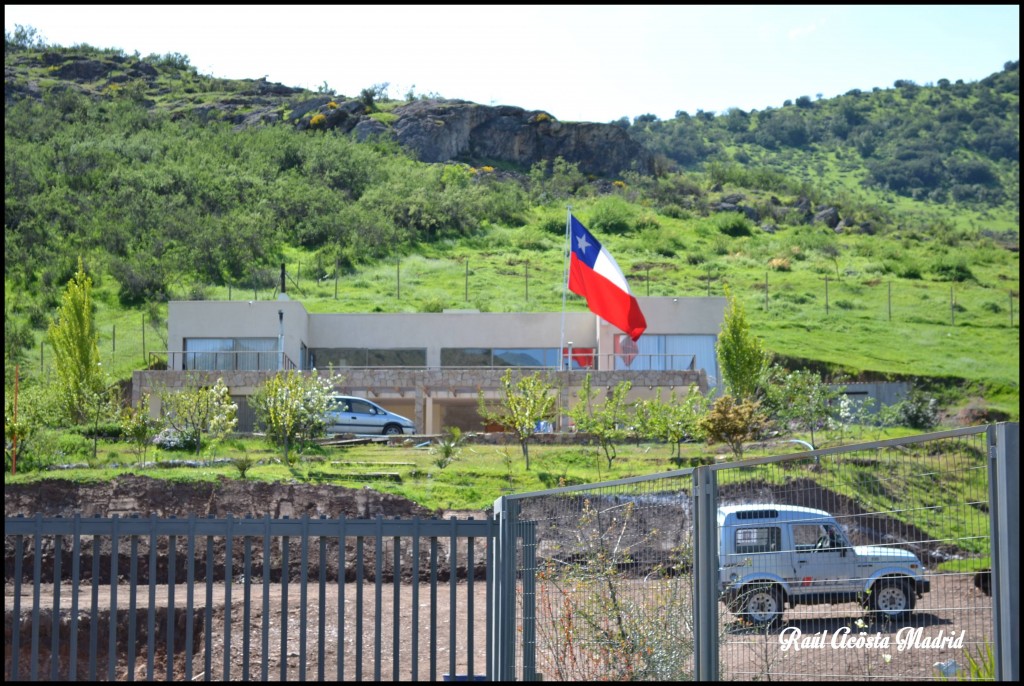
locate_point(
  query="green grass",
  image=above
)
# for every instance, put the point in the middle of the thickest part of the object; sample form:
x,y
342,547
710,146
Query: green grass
x,y
929,486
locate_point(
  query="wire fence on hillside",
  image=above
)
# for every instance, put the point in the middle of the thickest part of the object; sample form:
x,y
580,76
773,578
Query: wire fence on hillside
x,y
129,345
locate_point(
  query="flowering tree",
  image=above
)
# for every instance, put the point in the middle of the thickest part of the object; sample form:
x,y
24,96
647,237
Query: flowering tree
x,y
196,410
292,404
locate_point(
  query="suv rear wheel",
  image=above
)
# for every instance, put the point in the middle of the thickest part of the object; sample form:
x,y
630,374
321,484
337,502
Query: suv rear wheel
x,y
761,604
892,598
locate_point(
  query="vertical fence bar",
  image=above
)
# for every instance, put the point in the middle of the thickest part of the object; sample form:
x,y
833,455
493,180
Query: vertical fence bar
x,y
396,619
378,567
433,608
208,613
453,553
265,635
705,592
172,561
284,606
303,590
55,614
469,606
359,608
321,608
342,573
228,564
94,618
1004,527
246,601
415,628
190,587
112,643
528,531
133,580
19,548
489,597
37,572
76,563
151,613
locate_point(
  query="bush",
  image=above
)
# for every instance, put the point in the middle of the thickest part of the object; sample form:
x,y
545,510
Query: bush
x,y
947,269
918,411
732,224
611,214
170,439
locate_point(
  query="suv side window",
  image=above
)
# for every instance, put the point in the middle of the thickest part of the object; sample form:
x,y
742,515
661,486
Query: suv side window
x,y
816,537
762,539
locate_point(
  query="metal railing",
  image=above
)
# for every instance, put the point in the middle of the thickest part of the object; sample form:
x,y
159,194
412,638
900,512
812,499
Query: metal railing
x,y
205,361
303,584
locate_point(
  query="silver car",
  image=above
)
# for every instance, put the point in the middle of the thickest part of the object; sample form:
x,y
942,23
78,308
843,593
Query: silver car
x,y
347,414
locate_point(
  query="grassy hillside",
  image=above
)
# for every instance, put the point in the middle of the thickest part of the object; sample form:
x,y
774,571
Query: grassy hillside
x,y
144,174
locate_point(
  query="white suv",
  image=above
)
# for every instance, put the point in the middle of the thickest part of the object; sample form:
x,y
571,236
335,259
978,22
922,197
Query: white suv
x,y
773,554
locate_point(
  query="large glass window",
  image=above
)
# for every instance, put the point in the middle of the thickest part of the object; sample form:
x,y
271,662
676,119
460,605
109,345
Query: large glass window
x,y
499,357
322,358
228,354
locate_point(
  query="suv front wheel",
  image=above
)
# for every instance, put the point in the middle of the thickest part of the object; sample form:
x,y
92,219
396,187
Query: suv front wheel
x,y
761,605
892,598
392,430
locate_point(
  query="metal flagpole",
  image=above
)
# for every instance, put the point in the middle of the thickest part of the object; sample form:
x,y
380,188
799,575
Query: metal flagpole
x,y
565,286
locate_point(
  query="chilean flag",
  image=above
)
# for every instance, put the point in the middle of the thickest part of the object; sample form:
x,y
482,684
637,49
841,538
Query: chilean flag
x,y
594,274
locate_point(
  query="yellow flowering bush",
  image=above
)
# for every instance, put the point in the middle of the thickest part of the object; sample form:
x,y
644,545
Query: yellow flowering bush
x,y
318,120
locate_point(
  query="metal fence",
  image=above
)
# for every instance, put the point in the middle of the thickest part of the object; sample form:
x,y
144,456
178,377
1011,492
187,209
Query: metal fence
x,y
618,580
120,599
624,580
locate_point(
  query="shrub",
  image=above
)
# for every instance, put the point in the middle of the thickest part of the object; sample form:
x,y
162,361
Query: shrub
x,y
918,411
947,269
732,224
611,214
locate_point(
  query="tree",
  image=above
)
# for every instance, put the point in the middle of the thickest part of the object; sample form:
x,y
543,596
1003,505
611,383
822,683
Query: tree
x,y
734,423
606,421
292,406
743,359
197,409
523,403
138,426
674,420
76,356
802,399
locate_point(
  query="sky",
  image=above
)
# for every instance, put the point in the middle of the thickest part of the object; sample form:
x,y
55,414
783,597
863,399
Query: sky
x,y
594,63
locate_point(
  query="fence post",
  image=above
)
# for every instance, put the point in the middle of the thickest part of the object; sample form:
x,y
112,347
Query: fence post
x,y
826,295
890,300
1004,525
467,293
705,578
504,565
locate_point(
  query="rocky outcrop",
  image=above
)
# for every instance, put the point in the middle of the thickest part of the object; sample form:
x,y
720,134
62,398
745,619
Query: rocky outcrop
x,y
443,130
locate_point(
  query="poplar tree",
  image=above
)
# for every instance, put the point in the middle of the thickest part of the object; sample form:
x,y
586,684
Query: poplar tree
x,y
744,361
76,354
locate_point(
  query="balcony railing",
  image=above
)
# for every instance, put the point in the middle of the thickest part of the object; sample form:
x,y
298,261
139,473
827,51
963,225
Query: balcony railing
x,y
229,361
